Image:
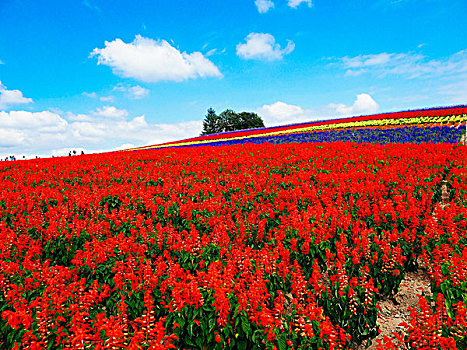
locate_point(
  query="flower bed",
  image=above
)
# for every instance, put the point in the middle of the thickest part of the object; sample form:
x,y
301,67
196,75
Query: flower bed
x,y
434,125
233,247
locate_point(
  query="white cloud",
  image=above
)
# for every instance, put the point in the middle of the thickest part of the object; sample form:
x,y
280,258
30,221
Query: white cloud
x,y
78,117
149,60
56,133
125,146
137,92
364,104
264,5
9,138
47,133
211,52
90,94
411,65
95,95
263,46
39,121
106,98
22,132
134,92
295,3
280,113
110,112
11,97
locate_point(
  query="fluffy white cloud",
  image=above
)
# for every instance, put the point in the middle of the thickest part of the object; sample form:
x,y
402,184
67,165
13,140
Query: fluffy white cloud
x,y
364,104
56,133
24,132
295,3
10,138
137,92
280,113
263,46
110,112
149,60
9,98
46,122
48,133
264,5
409,64
134,92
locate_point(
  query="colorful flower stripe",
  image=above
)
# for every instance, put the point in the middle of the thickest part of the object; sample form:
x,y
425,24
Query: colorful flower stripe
x,y
434,134
442,111
382,121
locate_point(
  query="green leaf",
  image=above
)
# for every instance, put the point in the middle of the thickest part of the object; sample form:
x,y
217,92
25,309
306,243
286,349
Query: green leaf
x,y
199,341
282,342
190,329
246,326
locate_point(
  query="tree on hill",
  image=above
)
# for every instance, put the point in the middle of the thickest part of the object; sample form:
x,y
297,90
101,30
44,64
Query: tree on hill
x,y
211,123
228,120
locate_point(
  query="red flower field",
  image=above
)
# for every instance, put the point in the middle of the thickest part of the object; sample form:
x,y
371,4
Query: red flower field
x,y
232,247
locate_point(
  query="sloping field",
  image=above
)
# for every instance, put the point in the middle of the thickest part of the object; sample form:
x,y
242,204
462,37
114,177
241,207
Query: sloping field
x,y
417,126
252,246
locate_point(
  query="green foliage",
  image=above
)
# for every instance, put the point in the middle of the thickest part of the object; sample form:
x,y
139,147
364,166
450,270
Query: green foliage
x,y
229,120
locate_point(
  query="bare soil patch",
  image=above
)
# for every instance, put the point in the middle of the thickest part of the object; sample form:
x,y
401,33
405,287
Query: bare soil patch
x,y
394,312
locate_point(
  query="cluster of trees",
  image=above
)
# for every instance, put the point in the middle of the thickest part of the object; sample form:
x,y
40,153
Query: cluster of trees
x,y
230,121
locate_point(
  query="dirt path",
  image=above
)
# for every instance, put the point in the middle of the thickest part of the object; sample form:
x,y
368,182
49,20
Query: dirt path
x,y
392,314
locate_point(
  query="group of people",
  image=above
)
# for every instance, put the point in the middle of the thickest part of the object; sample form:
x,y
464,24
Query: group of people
x,y
74,153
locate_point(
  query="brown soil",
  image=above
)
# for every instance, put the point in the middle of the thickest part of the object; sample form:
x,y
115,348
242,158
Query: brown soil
x,y
394,312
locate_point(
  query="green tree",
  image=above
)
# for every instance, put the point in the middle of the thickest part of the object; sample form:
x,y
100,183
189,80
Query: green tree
x,y
228,120
249,120
212,123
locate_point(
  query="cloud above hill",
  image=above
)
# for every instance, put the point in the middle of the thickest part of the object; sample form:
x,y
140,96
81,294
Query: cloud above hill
x,y
49,133
110,112
263,46
107,128
9,98
281,113
364,104
152,61
411,65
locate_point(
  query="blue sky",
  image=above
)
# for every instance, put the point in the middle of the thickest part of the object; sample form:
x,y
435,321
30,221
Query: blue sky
x,y
99,75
